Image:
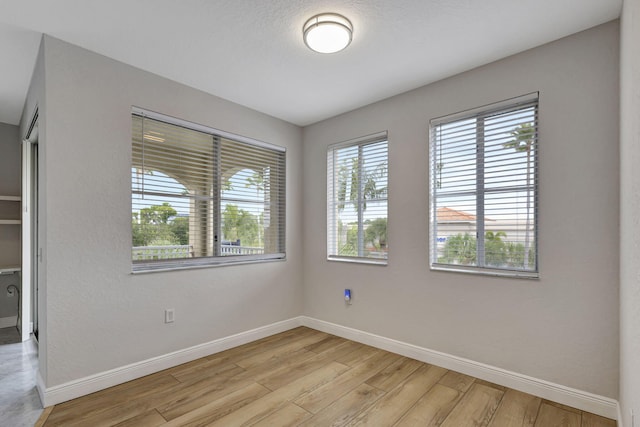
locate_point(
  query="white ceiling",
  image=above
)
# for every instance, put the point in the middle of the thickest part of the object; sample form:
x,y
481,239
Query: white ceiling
x,y
251,51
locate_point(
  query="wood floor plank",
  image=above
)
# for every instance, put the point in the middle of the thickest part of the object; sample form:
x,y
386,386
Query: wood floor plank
x,y
358,356
393,405
150,418
592,420
99,405
325,344
476,408
215,409
263,344
553,416
282,377
394,374
457,381
517,409
432,408
330,392
249,360
274,401
200,372
194,395
343,410
288,416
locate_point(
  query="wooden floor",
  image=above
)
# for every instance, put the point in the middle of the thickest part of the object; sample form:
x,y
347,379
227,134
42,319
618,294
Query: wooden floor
x,y
304,377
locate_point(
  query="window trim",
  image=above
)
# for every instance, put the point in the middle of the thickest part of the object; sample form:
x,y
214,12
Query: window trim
x,y
360,141
142,267
505,106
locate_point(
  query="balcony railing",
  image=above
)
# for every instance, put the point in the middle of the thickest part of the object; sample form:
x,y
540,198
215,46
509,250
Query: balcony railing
x,y
144,253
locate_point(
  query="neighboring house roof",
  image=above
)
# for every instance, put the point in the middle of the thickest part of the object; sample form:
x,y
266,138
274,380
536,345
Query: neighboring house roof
x,y
452,215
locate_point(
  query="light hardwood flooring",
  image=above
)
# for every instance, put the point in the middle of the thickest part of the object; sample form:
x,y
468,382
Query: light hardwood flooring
x,y
304,377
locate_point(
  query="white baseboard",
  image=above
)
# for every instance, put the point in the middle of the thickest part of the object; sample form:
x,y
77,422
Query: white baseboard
x,y
585,401
73,389
582,400
8,322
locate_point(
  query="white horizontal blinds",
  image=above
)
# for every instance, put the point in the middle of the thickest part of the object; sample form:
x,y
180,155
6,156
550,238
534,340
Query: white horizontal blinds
x,y
172,191
252,200
484,188
197,196
357,194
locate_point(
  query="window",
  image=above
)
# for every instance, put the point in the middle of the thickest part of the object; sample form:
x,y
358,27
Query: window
x,y
357,192
201,196
484,189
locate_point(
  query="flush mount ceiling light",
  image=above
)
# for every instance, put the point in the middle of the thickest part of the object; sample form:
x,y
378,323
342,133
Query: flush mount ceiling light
x,y
327,33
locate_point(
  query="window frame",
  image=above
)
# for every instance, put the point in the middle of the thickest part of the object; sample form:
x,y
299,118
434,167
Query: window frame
x,y
530,100
332,218
146,266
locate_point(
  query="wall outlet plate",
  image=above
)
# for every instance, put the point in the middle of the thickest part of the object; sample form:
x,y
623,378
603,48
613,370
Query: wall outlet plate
x,y
169,315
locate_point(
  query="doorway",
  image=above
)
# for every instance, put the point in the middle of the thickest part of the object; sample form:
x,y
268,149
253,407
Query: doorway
x,y
30,246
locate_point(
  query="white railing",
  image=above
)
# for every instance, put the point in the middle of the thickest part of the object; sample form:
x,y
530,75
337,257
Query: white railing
x,y
240,250
143,253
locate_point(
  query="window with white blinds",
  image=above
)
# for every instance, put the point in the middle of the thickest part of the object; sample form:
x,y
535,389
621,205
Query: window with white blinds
x,y
484,189
357,192
200,196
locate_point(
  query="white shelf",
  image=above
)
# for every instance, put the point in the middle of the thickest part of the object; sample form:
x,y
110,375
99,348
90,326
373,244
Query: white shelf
x,y
9,269
10,221
10,198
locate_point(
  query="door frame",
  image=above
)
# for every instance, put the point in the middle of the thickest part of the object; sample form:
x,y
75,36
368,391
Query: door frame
x,y
29,266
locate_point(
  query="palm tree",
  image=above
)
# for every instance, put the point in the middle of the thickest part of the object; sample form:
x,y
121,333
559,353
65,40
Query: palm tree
x,y
524,138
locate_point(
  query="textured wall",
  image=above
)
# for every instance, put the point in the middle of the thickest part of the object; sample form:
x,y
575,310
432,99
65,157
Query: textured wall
x,y
561,328
99,316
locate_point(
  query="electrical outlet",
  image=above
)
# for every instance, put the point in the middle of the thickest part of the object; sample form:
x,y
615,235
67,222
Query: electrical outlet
x,y
169,315
10,292
347,296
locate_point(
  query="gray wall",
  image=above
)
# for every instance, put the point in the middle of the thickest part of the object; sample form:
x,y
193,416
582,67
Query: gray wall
x,y
10,166
98,315
563,327
629,213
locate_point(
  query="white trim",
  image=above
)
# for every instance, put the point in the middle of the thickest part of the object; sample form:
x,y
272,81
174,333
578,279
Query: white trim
x,y
582,400
8,322
83,386
619,419
204,129
579,399
361,140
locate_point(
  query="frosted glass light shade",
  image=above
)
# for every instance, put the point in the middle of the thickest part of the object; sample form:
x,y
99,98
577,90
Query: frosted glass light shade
x,y
327,33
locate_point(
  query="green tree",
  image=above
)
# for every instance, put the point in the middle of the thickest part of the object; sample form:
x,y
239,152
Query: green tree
x,y
524,139
495,249
367,184
239,224
157,214
150,226
180,229
460,249
376,233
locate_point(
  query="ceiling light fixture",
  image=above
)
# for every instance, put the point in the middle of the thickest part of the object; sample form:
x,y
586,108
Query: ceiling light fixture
x,y
327,33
